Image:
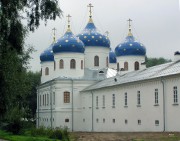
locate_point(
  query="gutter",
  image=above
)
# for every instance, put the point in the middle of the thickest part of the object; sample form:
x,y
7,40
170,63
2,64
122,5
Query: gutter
x,y
72,106
51,103
38,106
164,108
92,111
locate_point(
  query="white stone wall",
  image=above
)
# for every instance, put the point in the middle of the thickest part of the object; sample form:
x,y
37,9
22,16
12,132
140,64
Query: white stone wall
x,y
147,112
172,109
50,65
91,52
84,120
131,60
61,110
66,71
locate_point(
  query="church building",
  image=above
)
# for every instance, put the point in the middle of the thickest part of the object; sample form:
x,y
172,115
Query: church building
x,y
86,86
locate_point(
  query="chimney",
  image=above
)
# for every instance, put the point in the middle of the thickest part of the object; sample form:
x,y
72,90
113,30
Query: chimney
x,y
176,56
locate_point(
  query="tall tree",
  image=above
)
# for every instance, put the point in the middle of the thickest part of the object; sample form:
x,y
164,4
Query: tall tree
x,y
13,58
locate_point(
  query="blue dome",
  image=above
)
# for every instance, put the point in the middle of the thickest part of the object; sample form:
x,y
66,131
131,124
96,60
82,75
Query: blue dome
x,y
47,55
112,57
68,43
130,47
91,37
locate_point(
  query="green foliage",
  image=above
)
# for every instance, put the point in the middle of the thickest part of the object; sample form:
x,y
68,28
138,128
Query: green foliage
x,y
11,137
17,87
155,61
57,133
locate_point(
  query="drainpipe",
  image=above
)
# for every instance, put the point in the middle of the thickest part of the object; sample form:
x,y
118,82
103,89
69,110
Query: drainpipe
x,y
38,106
72,107
51,103
92,112
164,110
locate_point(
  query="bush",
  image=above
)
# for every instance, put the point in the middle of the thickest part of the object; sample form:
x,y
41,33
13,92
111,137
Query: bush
x,y
57,133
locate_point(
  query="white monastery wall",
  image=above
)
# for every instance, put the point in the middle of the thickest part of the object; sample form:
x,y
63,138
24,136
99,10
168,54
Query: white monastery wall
x,y
91,52
66,71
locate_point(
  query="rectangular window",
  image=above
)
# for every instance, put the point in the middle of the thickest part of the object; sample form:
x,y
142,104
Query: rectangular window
x,y
47,99
139,122
66,97
54,98
103,101
175,94
113,101
40,100
43,100
97,120
138,98
126,121
156,122
156,97
125,99
104,120
113,120
83,119
97,102
66,120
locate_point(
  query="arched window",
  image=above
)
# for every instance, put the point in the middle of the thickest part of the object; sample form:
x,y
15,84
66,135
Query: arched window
x,y
46,71
66,97
96,61
61,64
54,65
81,64
125,66
41,71
136,65
107,61
73,64
117,66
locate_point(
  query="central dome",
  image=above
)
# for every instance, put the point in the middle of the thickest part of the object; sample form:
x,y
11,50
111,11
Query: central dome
x,y
68,43
91,37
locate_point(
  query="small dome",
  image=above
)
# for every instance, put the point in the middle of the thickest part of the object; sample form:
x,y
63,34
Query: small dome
x,y
112,57
91,37
68,43
47,55
130,47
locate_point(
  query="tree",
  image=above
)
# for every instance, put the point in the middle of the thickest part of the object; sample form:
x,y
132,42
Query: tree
x,y
155,61
14,83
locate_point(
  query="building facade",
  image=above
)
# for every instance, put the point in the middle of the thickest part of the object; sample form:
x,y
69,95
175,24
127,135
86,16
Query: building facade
x,y
85,86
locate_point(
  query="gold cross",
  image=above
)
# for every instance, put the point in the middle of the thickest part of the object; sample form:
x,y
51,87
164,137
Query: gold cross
x,y
68,16
129,23
54,34
90,9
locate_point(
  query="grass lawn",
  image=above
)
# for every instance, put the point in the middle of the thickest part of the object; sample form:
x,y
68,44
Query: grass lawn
x,y
11,137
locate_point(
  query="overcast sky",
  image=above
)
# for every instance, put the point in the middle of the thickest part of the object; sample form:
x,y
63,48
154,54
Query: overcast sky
x,y
156,24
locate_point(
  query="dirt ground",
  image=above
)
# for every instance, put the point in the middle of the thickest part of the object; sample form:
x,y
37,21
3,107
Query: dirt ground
x,y
87,136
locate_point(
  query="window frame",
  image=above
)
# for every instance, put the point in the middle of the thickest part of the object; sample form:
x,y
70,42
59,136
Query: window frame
x,y
73,64
113,100
156,96
96,61
126,66
136,66
138,98
175,95
66,95
61,64
46,71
